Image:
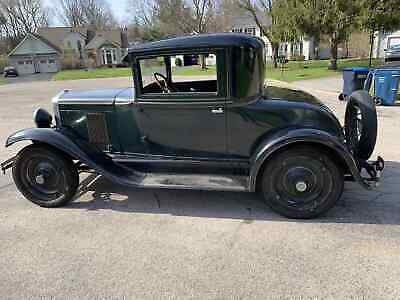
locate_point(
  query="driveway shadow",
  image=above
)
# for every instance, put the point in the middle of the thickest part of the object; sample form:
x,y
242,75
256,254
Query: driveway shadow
x,y
358,206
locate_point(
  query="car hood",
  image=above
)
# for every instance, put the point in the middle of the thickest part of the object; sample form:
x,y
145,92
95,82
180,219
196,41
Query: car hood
x,y
101,96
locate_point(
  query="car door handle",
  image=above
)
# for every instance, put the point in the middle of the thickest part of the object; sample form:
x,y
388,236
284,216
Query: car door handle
x,y
218,110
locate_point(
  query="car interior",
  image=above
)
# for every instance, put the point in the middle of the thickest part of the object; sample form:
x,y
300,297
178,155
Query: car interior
x,y
171,74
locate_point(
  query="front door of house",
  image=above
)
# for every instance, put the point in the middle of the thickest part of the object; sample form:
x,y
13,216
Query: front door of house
x,y
109,56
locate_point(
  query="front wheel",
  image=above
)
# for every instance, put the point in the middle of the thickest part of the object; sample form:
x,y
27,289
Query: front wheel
x,y
302,183
45,176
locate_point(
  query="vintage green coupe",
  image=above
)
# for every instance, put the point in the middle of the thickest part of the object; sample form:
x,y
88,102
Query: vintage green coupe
x,y
224,131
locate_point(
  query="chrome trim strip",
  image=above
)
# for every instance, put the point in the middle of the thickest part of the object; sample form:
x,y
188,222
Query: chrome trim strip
x,y
138,157
86,102
123,101
183,102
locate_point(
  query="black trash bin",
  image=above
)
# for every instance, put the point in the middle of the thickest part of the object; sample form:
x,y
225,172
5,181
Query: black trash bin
x,y
353,80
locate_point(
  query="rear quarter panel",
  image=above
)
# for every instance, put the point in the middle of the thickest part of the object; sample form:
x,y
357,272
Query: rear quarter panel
x,y
249,125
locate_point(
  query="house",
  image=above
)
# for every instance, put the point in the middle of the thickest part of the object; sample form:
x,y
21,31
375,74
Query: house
x,y
245,23
47,50
385,40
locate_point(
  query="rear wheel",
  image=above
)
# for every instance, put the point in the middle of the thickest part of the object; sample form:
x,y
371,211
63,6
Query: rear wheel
x,y
361,125
302,183
45,176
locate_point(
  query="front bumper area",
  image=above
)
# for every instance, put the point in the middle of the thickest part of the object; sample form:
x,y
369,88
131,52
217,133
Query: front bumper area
x,y
374,169
7,164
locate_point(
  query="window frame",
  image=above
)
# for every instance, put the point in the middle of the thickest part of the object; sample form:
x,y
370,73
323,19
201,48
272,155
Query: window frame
x,y
183,97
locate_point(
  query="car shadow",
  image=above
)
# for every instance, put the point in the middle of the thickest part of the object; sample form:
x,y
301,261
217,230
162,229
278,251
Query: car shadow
x,y
358,206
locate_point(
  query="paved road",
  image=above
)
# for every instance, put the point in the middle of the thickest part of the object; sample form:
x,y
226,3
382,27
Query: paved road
x,y
119,243
328,84
29,78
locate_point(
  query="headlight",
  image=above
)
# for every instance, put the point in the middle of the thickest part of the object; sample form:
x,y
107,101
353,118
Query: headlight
x,y
42,118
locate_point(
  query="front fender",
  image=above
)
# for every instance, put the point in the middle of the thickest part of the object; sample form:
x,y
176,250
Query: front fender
x,y
287,137
67,142
60,139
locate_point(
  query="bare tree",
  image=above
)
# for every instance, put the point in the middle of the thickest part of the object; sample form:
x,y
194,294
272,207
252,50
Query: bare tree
x,y
78,13
19,17
71,12
203,15
277,27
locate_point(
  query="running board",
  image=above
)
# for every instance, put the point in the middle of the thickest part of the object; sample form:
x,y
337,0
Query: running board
x,y
196,182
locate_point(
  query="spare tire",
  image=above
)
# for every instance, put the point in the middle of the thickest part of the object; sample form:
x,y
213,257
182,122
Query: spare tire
x,y
361,124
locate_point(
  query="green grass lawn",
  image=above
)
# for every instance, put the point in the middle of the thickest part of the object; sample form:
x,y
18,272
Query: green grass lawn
x,y
95,73
296,70
2,81
124,72
293,71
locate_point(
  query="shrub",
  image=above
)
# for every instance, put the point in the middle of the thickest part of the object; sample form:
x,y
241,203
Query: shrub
x,y
299,58
178,62
70,63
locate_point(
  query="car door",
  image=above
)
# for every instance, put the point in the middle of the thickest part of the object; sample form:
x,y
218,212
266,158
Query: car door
x,y
187,123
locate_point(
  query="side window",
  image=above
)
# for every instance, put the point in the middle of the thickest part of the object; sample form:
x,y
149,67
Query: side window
x,y
194,73
149,68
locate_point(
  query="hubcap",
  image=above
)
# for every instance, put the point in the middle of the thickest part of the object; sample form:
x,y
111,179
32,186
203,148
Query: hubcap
x,y
40,179
301,186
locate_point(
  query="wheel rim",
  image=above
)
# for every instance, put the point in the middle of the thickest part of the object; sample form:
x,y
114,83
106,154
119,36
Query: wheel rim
x,y
44,178
302,183
354,127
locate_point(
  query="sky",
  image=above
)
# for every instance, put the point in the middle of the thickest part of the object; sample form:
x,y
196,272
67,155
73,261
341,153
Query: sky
x,y
117,6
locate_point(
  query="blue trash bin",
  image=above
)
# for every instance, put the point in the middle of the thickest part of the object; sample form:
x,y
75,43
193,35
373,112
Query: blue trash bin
x,y
353,80
383,85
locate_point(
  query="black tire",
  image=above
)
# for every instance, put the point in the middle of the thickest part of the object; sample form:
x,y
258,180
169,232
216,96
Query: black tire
x,y
361,125
302,183
59,178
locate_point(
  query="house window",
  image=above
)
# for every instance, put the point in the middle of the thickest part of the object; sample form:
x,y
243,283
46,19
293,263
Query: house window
x,y
20,62
28,62
237,30
52,61
250,30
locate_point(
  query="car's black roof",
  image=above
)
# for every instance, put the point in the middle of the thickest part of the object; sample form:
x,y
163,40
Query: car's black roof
x,y
216,40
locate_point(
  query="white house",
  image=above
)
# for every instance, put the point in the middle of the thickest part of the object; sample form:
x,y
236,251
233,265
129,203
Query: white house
x,y
384,41
245,23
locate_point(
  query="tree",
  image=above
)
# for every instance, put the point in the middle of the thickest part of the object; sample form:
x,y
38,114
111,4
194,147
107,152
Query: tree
x,y
378,15
77,13
164,18
279,28
335,19
20,17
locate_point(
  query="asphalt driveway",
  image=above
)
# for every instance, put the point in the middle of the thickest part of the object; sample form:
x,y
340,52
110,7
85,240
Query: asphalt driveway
x,y
29,78
119,243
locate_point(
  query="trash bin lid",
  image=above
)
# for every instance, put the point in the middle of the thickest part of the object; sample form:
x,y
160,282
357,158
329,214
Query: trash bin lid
x,y
356,69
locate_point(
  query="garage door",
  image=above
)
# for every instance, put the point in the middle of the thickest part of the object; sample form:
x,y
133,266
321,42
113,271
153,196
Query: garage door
x,y
48,66
25,67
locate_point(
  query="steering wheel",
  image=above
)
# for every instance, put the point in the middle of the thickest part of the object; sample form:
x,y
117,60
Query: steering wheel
x,y
163,83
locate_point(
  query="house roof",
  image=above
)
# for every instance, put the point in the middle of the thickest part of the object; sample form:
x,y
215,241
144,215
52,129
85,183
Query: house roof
x,y
56,35
37,38
246,19
99,41
216,40
113,36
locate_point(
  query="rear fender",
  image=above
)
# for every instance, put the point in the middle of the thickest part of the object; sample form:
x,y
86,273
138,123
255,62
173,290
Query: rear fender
x,y
287,137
